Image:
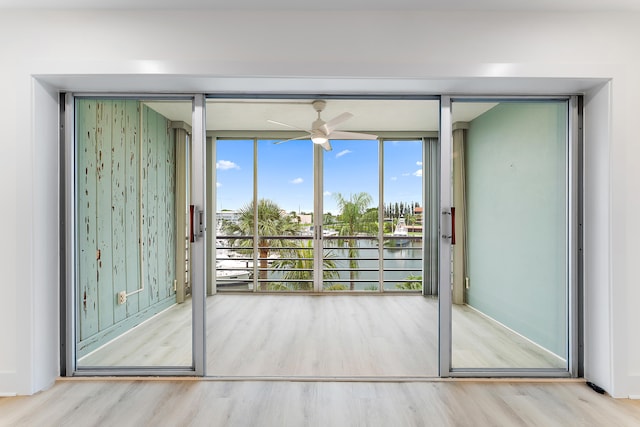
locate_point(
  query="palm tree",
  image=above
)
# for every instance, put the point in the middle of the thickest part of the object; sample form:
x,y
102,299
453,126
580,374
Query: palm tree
x,y
273,224
413,282
299,267
352,220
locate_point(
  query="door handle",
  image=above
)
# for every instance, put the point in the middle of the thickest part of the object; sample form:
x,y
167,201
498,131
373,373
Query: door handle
x,y
453,225
196,223
452,231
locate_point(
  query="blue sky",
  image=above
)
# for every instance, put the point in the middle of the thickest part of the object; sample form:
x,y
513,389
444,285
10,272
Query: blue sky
x,y
285,172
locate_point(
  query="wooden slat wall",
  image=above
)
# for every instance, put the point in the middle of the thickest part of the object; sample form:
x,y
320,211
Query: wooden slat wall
x,y
147,187
106,293
181,177
126,198
132,203
118,206
87,294
170,225
159,215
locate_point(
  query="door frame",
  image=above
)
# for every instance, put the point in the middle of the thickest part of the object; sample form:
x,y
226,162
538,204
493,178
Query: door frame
x,y
574,241
201,193
69,262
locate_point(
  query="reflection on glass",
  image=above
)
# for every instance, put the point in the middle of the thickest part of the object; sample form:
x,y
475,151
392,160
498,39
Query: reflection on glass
x,y
510,269
131,180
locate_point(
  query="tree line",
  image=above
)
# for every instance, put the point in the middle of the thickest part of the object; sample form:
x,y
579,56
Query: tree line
x,y
398,209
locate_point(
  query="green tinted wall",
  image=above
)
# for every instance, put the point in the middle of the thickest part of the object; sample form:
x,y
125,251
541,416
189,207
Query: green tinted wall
x,y
125,180
517,232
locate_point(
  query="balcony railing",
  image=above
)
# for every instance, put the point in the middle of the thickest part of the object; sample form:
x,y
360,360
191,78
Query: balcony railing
x,y
285,263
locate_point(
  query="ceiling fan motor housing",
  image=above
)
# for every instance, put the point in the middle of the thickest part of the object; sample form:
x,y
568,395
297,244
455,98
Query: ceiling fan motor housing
x,y
319,105
316,126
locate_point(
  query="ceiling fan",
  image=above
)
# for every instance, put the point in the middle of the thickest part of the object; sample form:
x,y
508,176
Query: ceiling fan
x,y
321,132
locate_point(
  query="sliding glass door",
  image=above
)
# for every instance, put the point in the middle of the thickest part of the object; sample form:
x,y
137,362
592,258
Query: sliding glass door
x,y
471,203
508,233
133,280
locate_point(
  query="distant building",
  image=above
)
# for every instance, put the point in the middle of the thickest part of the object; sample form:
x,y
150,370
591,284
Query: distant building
x,y
228,215
418,215
305,218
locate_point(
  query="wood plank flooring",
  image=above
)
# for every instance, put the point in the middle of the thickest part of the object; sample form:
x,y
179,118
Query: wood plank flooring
x,y
148,402
321,336
480,342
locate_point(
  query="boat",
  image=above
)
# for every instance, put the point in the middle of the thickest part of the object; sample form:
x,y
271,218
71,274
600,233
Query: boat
x,y
400,234
233,272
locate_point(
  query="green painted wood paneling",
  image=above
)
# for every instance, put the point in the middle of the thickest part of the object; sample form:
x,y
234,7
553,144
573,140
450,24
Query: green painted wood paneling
x,y
106,294
132,204
151,207
170,207
118,222
126,207
87,295
145,209
159,211
162,139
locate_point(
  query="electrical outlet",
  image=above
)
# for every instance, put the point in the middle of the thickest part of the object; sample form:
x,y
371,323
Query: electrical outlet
x,y
122,297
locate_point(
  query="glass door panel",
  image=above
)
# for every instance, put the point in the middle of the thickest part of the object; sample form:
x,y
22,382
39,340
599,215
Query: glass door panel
x,y
350,216
285,215
304,219
234,243
132,291
510,271
403,215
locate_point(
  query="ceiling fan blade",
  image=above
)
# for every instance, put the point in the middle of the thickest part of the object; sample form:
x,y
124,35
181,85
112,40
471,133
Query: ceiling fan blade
x,y
292,139
326,145
351,135
329,126
289,126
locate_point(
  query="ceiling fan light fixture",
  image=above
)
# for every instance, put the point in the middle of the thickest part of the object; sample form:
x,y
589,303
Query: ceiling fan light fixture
x,y
319,139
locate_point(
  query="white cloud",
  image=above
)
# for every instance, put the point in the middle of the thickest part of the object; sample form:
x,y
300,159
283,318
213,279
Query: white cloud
x,y
226,165
406,174
419,163
218,185
394,178
327,193
297,181
418,172
342,153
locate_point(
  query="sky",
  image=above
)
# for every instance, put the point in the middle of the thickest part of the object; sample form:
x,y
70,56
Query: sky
x,y
285,172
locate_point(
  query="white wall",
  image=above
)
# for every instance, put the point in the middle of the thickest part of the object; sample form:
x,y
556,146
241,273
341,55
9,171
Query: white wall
x,y
43,310
597,170
281,52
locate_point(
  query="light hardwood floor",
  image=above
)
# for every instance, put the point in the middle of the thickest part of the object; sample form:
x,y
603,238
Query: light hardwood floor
x,y
321,336
148,402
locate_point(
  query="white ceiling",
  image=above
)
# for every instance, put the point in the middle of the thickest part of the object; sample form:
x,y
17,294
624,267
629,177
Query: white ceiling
x,y
310,5
369,115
